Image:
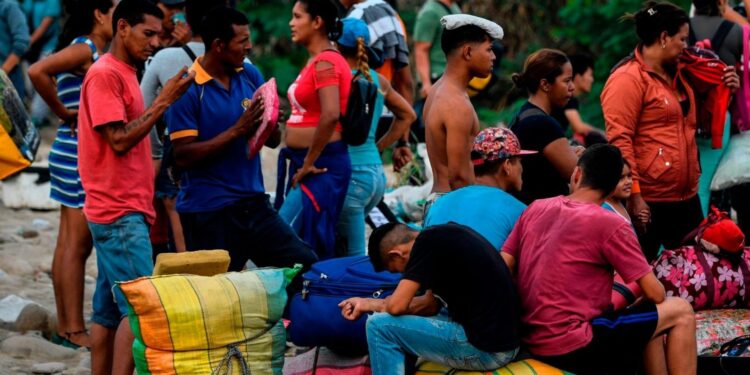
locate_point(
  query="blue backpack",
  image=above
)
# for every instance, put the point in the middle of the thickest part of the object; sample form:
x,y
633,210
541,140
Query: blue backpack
x,y
316,319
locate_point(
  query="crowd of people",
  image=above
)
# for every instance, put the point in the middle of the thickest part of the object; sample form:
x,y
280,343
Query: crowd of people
x,y
155,109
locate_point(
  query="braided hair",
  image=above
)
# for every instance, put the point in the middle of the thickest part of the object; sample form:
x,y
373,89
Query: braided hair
x,y
363,59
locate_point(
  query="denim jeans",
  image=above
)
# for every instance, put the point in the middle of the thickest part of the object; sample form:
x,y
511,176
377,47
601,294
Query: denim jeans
x,y
436,338
365,191
291,210
123,253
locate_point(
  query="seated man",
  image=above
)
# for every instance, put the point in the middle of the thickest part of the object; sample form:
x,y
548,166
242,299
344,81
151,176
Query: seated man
x,y
563,250
222,202
485,206
463,270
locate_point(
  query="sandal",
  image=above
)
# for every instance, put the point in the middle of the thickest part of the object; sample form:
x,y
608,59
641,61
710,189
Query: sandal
x,y
62,341
68,336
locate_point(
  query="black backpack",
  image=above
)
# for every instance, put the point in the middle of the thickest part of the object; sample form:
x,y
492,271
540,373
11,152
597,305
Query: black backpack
x,y
357,120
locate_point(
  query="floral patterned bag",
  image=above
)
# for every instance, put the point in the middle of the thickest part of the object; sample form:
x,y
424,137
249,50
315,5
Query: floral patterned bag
x,y
706,280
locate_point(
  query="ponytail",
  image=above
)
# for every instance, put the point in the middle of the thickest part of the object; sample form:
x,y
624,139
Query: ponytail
x,y
362,59
545,64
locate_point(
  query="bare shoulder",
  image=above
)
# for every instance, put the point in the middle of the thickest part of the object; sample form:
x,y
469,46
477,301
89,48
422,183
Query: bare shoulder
x,y
457,110
450,103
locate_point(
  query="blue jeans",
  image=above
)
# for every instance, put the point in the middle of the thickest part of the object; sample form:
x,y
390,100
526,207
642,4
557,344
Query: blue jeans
x,y
436,338
291,210
365,190
123,253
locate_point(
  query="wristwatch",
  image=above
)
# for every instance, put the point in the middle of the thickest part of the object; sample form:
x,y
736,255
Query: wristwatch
x,y
402,143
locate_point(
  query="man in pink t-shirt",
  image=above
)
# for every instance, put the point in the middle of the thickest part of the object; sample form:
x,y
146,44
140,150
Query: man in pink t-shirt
x,y
115,167
564,251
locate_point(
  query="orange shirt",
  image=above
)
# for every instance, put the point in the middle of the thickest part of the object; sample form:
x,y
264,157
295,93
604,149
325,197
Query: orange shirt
x,y
644,118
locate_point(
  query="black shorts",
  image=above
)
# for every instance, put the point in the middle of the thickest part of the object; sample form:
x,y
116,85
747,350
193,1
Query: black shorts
x,y
619,339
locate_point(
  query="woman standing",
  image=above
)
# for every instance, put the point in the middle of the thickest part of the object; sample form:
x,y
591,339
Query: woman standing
x,y
58,78
368,178
320,168
649,112
548,77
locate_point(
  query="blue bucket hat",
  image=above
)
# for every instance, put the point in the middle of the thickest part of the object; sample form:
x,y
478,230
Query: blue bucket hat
x,y
354,28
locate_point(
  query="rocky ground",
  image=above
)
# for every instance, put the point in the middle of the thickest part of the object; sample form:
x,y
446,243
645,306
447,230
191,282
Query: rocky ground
x,y
27,241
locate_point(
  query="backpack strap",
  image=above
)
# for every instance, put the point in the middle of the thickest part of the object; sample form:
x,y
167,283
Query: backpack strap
x,y
721,33
446,7
189,52
523,115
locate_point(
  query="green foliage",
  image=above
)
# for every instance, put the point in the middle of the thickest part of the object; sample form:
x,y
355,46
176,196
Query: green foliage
x,y
273,51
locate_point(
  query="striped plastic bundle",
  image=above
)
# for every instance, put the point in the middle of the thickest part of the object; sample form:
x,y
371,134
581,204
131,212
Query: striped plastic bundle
x,y
525,367
224,324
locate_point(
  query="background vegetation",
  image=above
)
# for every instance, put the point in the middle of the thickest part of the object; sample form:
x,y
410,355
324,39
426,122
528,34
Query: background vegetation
x,y
588,26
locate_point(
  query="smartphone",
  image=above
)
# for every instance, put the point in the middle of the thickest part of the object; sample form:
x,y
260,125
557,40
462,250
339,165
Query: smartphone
x,y
178,17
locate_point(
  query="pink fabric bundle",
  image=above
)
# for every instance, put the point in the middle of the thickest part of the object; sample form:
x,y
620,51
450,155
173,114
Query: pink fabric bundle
x,y
270,117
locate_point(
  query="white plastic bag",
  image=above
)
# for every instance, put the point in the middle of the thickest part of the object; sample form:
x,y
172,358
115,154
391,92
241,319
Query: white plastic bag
x,y
734,167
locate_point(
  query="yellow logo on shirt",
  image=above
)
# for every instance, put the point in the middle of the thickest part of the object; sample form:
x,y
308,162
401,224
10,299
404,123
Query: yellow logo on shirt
x,y
246,103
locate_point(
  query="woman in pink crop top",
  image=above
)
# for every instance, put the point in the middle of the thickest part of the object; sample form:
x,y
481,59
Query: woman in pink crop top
x,y
320,168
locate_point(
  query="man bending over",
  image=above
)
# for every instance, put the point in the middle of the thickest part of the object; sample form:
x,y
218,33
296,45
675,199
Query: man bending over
x,y
477,329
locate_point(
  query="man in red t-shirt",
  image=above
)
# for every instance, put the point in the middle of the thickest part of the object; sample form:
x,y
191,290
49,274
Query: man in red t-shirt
x,y
563,251
117,176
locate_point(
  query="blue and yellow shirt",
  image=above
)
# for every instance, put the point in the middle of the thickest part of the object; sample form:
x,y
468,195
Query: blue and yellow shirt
x,y
206,110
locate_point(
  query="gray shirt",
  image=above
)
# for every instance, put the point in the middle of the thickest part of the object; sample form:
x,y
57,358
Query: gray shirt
x,y
162,67
730,51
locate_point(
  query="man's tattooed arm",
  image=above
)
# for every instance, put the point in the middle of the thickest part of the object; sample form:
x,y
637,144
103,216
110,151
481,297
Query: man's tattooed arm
x,y
122,137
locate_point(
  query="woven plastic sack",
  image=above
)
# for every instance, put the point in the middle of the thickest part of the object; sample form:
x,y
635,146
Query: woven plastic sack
x,y
270,117
734,168
19,139
224,324
525,367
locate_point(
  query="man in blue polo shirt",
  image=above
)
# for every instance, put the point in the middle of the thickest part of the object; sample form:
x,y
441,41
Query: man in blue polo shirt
x,y
486,207
222,202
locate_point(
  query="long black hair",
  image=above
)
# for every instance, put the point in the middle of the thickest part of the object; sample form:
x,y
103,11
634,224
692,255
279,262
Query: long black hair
x,y
80,18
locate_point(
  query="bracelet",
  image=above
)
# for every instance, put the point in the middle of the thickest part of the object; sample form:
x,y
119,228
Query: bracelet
x,y
402,143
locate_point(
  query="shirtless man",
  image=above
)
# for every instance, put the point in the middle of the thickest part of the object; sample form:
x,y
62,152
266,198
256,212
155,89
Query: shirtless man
x,y
450,120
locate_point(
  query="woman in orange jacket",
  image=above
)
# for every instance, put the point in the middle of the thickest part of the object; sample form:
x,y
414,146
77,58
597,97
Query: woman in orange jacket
x,y
650,114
